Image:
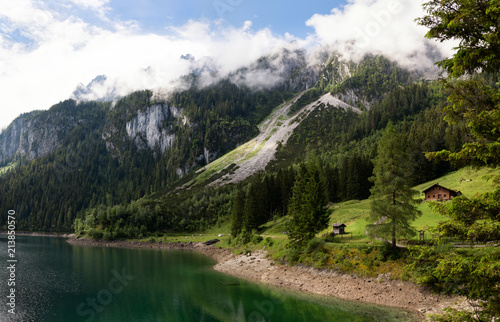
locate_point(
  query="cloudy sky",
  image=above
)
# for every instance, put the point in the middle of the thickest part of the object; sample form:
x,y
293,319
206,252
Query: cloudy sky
x,y
49,47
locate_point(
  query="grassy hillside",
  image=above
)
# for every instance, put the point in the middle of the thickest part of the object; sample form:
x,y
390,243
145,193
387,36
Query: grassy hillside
x,y
354,213
478,183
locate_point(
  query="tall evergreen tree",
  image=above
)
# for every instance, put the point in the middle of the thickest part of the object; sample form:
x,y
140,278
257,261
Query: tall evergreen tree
x,y
475,101
252,208
307,206
332,183
393,205
237,212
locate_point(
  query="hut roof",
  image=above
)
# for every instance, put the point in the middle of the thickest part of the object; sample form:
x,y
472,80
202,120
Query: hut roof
x,y
438,185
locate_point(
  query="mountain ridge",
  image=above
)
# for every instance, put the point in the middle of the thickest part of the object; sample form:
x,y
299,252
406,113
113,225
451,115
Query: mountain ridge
x,y
144,148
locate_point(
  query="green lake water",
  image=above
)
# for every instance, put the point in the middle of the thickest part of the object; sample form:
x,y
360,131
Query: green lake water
x,y
56,281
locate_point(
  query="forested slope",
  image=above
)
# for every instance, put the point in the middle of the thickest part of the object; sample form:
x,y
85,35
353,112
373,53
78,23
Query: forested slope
x,y
107,171
99,163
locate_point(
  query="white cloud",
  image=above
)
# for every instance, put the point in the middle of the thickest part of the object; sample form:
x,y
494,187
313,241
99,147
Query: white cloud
x,y
379,27
90,4
59,51
66,51
99,6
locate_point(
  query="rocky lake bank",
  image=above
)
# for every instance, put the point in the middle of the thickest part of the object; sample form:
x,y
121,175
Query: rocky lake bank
x,y
258,268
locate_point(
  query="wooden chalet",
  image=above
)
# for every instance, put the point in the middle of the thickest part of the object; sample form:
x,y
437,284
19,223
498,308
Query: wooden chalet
x,y
339,229
437,192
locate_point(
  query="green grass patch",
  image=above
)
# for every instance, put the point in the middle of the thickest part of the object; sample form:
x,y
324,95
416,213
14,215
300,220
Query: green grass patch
x,y
475,181
8,168
275,228
429,217
221,163
354,213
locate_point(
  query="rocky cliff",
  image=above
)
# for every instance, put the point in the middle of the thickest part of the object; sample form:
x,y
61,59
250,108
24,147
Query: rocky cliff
x,y
34,135
154,126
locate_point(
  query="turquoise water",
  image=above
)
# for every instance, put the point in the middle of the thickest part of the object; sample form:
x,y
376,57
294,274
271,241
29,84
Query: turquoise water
x,y
56,281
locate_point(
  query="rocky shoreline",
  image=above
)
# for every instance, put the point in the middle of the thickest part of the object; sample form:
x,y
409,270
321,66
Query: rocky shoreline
x,y
21,233
257,267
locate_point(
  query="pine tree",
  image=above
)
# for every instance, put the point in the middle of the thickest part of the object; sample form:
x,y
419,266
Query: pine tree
x,y
393,205
476,102
237,212
307,206
252,208
332,175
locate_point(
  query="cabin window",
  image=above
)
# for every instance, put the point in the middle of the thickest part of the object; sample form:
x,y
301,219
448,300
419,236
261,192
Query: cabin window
x,y
445,194
433,196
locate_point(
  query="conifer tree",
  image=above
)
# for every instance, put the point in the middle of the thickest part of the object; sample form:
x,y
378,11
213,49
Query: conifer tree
x,y
476,101
237,212
307,206
393,205
254,211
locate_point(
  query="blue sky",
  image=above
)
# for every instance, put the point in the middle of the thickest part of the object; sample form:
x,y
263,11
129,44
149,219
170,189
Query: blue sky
x,y
49,47
278,15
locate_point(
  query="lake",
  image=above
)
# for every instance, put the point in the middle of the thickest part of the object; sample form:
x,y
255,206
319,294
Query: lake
x,y
56,281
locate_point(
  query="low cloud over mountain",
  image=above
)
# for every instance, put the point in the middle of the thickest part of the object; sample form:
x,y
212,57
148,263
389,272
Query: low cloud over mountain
x,y
48,49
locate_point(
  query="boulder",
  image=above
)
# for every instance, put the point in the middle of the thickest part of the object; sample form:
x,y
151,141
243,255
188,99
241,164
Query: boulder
x,y
211,242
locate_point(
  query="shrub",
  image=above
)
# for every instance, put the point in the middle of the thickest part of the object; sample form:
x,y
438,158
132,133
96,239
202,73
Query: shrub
x,y
269,241
412,242
256,239
293,255
388,252
320,259
246,237
106,235
365,248
367,261
330,238
95,233
313,245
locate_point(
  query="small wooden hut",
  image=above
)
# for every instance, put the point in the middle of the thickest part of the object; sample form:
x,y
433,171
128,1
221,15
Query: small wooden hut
x,y
339,229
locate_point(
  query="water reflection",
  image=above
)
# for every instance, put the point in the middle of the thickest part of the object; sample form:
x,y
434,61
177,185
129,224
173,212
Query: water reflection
x,y
60,282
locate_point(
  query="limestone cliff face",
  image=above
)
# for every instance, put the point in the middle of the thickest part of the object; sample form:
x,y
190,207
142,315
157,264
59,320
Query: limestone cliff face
x,y
34,135
153,127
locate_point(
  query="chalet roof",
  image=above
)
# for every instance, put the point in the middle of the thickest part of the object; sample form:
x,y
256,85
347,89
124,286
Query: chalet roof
x,y
338,225
438,185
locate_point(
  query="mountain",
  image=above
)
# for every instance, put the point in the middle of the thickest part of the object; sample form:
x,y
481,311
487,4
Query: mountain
x,y
286,69
95,90
150,162
38,133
